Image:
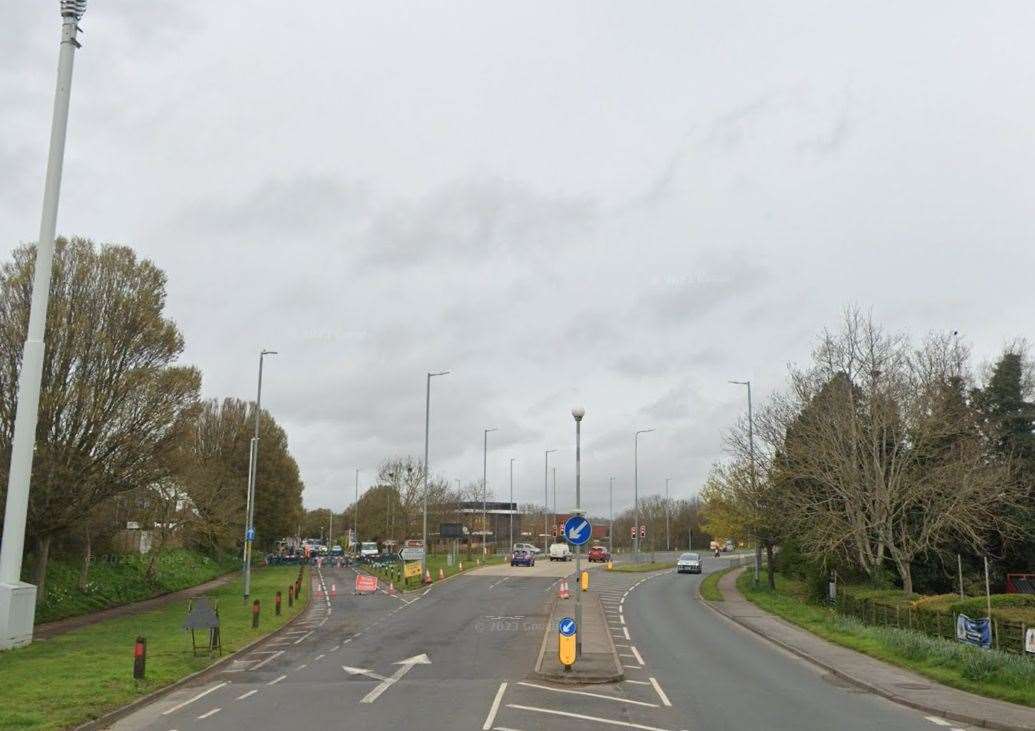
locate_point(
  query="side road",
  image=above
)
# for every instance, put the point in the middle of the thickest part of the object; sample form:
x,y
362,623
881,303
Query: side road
x,y
878,677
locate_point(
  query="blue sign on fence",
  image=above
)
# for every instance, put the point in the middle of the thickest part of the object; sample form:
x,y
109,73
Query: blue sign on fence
x,y
974,631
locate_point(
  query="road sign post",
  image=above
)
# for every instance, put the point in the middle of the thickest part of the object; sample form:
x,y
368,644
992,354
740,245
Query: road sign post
x,y
567,642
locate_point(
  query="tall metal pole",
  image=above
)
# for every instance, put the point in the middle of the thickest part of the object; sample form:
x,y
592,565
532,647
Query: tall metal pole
x,y
555,496
578,412
17,599
751,457
611,530
253,468
485,465
355,514
636,492
668,543
511,503
427,427
546,501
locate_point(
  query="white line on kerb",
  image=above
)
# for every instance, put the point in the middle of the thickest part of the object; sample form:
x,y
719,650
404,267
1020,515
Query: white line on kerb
x,y
247,695
660,692
568,714
200,695
213,712
494,709
639,657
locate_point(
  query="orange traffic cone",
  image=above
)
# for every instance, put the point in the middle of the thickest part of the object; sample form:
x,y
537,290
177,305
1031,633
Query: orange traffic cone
x,y
563,593
391,587
334,590
441,574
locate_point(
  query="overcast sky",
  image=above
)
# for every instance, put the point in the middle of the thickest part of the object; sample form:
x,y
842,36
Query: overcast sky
x,y
616,204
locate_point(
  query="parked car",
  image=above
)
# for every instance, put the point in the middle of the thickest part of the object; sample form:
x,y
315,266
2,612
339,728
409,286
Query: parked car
x,y
368,549
522,558
689,563
560,552
598,553
528,547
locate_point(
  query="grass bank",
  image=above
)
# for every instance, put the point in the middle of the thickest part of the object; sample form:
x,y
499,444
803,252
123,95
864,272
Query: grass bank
x,y
82,674
710,585
648,566
986,672
436,561
119,580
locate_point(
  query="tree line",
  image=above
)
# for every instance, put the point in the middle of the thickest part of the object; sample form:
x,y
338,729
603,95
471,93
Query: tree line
x,y
123,434
885,459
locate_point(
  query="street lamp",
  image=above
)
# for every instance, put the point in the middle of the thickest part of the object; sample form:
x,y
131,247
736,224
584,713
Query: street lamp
x,y
17,599
511,508
636,491
751,453
427,426
611,530
355,514
578,412
253,467
546,501
485,465
668,544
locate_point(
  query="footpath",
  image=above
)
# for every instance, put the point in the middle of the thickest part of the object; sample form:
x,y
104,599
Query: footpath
x,y
889,681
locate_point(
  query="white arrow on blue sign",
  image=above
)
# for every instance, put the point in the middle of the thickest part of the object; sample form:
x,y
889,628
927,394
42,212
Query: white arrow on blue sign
x,y
577,530
566,626
249,534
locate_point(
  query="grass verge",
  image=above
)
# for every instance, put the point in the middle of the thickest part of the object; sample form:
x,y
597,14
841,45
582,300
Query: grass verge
x,y
710,585
649,566
436,561
985,672
80,675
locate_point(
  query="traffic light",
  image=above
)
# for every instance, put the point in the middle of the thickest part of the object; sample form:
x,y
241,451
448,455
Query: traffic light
x,y
643,531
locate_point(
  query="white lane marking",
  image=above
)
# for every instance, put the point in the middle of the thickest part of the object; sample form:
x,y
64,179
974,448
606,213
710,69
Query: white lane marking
x,y
300,639
494,709
619,644
622,617
247,695
276,680
626,654
405,666
335,648
638,682
937,721
303,666
213,712
494,728
568,714
319,657
660,692
626,631
274,656
633,667
639,657
199,696
587,693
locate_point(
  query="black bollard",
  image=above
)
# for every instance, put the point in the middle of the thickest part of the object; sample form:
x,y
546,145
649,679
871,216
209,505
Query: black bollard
x,y
255,614
139,658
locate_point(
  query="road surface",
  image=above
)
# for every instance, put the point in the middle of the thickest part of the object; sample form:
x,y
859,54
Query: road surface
x,y
461,656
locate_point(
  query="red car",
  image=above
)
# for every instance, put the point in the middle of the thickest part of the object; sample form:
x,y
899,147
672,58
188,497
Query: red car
x,y
598,553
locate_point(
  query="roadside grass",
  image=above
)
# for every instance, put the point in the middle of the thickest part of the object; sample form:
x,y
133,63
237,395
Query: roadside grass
x,y
436,561
111,584
649,566
985,672
710,585
80,675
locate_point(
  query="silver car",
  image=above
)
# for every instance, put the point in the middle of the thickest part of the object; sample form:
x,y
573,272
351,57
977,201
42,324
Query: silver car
x,y
689,563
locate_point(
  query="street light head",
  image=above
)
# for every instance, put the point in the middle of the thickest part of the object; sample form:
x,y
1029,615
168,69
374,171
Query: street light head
x,y
578,412
73,8
645,431
741,383
491,428
440,373
268,352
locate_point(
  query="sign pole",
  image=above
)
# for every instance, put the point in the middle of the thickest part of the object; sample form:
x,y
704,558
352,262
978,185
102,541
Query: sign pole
x,y
578,413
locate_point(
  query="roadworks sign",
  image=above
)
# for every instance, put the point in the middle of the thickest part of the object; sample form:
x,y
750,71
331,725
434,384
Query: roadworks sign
x,y
411,569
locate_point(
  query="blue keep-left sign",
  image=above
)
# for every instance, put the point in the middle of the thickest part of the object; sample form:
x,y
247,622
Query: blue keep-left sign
x,y
577,530
566,626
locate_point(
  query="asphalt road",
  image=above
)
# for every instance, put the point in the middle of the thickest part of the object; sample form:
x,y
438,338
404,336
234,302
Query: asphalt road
x,y
467,649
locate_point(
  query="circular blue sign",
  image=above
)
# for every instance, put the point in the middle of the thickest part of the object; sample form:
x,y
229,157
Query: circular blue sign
x,y
566,626
577,530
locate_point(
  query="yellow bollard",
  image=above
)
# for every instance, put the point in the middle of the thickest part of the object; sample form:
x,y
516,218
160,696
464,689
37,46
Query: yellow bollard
x,y
610,566
584,581
566,642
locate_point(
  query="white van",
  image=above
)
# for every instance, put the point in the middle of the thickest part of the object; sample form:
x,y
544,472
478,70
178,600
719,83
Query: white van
x,y
560,552
368,549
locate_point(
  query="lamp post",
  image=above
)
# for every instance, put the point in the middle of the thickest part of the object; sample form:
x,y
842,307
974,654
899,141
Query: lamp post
x,y
355,514
511,508
485,466
546,501
253,468
578,412
427,427
636,491
17,599
751,453
668,543
611,530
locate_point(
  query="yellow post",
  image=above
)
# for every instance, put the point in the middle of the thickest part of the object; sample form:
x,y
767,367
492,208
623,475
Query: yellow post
x,y
610,565
566,651
584,581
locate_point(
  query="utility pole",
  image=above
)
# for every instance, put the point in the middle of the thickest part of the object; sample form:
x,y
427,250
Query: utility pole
x,y
751,451
253,467
18,599
636,492
546,501
427,428
511,508
485,467
355,514
668,543
578,412
611,530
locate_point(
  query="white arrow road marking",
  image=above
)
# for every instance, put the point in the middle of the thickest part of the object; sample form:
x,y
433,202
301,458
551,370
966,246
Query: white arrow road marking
x,y
386,683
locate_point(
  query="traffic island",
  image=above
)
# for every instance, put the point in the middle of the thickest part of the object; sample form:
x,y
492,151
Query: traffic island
x,y
599,662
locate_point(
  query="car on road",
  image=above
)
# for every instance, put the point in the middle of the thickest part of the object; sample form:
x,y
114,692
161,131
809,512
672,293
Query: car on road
x,y
560,552
689,563
598,553
522,558
527,547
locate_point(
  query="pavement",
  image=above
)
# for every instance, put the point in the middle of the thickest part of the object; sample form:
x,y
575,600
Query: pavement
x,y
888,681
462,654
